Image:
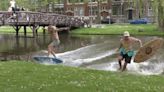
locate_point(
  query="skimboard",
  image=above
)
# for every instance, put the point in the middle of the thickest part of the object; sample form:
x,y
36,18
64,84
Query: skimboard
x,y
44,59
148,50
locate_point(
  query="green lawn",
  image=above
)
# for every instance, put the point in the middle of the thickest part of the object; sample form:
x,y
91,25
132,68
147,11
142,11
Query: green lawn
x,y
19,76
148,29
22,76
9,30
114,29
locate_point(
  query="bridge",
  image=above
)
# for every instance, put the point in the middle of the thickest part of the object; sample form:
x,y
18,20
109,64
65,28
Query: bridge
x,y
34,20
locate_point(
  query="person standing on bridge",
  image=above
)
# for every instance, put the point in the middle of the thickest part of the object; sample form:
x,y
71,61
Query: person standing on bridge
x,y
13,5
126,51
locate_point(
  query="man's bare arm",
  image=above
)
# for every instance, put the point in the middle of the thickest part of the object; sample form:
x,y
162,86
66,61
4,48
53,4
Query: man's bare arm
x,y
117,49
120,45
137,40
140,42
62,29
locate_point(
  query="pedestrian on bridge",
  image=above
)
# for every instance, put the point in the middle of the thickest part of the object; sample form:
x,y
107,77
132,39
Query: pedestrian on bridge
x,y
12,7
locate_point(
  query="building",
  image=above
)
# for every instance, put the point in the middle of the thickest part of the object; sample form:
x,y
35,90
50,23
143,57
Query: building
x,y
119,11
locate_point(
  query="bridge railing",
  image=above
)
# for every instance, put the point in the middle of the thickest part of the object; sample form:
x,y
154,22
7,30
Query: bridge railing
x,y
37,18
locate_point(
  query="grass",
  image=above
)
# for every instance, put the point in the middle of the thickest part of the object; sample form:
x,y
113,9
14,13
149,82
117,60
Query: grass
x,y
16,76
31,77
11,30
115,29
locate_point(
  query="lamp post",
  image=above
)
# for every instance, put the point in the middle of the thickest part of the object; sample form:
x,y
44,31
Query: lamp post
x,y
99,11
122,1
91,21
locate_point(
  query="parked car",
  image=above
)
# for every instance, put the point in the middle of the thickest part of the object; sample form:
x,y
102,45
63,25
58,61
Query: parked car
x,y
139,21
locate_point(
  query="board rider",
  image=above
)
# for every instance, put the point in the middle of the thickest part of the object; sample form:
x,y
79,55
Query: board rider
x,y
126,51
53,31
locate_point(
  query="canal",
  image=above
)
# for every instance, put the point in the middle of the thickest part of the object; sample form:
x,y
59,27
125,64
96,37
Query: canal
x,y
86,51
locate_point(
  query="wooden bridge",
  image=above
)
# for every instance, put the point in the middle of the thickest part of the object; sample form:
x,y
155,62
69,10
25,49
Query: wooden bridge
x,y
34,20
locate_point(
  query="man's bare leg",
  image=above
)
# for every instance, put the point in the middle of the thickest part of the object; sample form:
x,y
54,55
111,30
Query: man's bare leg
x,y
124,67
53,53
50,50
119,62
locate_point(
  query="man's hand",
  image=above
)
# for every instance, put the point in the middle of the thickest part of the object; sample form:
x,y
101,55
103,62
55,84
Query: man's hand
x,y
117,50
140,42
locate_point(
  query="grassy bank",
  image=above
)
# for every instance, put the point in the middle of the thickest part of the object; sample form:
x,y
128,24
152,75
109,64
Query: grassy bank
x,y
148,29
114,29
30,77
9,29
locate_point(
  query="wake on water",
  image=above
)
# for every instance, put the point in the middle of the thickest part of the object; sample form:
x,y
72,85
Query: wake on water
x,y
87,55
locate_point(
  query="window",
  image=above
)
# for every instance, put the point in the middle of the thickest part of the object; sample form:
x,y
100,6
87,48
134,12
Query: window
x,y
104,7
114,10
104,0
116,0
150,9
79,11
75,1
69,8
93,11
92,0
117,10
81,0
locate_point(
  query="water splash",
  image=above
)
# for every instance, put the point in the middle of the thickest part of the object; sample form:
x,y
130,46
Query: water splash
x,y
145,68
73,58
78,62
151,69
92,53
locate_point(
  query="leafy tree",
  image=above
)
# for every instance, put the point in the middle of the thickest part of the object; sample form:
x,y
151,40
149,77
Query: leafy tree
x,y
160,9
4,4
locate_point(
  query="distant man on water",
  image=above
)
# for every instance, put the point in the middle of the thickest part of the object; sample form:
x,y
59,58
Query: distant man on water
x,y
125,50
53,31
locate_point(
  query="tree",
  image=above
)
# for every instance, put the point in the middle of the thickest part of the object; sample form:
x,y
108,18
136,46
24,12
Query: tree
x,y
158,9
4,4
160,14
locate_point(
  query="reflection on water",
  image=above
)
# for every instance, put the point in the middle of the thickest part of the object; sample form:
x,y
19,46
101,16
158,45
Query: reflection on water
x,y
14,47
94,52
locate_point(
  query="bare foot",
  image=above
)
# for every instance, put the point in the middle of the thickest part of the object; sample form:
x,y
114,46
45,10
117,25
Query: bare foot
x,y
119,68
124,70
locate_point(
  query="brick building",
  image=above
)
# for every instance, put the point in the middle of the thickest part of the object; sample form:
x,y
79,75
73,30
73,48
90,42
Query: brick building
x,y
120,11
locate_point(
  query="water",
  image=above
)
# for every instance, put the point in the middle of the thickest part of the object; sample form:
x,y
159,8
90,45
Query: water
x,y
93,52
106,60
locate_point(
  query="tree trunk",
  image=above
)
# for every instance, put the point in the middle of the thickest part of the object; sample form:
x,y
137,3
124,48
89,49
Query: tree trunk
x,y
161,15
